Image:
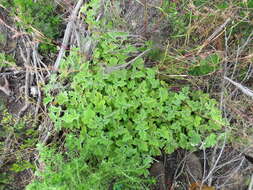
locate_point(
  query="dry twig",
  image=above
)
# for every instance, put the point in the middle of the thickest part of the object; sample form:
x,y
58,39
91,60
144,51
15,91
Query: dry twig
x,y
27,60
5,88
213,165
67,34
37,76
215,34
244,89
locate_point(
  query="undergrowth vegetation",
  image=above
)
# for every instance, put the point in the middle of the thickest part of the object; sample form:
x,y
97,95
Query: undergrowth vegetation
x,y
24,139
39,17
125,93
116,121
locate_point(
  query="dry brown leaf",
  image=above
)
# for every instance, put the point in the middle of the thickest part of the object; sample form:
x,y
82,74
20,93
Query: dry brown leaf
x,y
196,186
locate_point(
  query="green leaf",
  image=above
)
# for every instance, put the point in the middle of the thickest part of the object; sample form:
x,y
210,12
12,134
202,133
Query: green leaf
x,y
62,98
138,74
163,94
197,121
165,133
195,138
143,135
183,143
143,146
210,141
88,116
48,99
70,116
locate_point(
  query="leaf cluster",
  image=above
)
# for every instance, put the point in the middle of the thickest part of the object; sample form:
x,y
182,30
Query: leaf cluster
x,y
117,122
114,124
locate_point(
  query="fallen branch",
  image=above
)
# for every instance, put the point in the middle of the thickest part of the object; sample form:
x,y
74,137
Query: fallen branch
x,y
67,34
13,73
27,61
214,163
244,89
36,92
214,34
6,87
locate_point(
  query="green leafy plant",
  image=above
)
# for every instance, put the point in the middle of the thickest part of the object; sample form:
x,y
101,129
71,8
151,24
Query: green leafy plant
x,y
177,20
206,66
117,122
5,179
39,15
6,60
114,123
21,166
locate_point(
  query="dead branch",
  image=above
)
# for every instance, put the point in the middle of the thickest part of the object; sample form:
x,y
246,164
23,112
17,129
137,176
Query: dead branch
x,y
67,34
244,89
213,166
27,61
37,76
214,34
231,174
5,88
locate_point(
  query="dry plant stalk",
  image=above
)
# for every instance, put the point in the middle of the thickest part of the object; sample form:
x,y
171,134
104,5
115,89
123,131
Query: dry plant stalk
x,y
214,35
67,34
244,89
5,88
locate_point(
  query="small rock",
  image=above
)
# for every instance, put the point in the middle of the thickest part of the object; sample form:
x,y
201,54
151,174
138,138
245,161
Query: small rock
x,y
34,91
158,171
194,168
